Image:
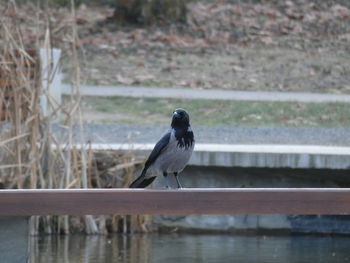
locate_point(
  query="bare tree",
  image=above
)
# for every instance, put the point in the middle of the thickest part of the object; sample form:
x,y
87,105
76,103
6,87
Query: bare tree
x,y
150,11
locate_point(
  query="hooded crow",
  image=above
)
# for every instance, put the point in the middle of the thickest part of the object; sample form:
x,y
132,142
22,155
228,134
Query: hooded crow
x,y
171,153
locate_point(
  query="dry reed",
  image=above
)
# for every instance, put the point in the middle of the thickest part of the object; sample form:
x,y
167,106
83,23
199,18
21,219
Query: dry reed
x,y
32,155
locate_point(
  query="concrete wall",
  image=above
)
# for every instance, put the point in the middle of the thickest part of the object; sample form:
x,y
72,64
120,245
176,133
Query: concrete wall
x,y
195,176
271,160
257,155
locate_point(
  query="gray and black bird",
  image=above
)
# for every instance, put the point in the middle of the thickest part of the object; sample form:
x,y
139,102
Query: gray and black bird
x,y
171,153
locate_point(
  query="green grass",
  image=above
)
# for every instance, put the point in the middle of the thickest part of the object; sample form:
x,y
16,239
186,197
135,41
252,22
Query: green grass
x,y
209,112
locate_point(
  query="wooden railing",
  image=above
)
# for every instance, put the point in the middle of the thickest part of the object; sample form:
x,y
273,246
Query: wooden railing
x,y
334,201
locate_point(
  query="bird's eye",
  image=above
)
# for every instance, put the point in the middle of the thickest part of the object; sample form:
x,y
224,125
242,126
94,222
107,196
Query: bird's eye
x,y
179,114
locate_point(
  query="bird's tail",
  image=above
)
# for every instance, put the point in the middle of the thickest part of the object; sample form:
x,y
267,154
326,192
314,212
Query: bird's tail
x,y
142,181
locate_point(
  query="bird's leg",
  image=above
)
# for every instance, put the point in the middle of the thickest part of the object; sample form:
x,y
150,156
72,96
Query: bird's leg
x,y
166,180
177,180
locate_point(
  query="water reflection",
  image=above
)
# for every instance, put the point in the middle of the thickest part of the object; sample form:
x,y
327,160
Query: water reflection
x,y
188,248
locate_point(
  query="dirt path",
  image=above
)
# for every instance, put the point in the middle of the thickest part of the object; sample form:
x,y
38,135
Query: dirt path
x,y
123,133
182,93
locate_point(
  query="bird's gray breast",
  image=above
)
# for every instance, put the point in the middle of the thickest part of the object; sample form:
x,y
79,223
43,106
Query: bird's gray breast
x,y
173,158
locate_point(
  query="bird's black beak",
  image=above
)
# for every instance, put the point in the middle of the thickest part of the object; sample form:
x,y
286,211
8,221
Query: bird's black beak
x,y
176,115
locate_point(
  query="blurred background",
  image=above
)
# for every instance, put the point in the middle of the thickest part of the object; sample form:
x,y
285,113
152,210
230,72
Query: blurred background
x,y
84,85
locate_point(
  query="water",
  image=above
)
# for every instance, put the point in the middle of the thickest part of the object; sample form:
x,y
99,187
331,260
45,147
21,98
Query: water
x,y
189,248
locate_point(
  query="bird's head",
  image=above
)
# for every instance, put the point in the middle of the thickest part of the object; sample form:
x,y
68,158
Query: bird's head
x,y
180,119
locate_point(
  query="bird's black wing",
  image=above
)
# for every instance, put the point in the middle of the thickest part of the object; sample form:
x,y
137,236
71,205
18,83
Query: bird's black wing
x,y
142,181
158,148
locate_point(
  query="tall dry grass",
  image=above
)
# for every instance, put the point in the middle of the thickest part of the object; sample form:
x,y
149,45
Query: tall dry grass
x,y
32,155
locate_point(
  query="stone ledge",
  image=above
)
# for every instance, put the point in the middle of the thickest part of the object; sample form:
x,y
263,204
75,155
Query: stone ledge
x,y
263,156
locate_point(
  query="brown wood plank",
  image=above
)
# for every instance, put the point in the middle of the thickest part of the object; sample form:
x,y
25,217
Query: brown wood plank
x,y
184,201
